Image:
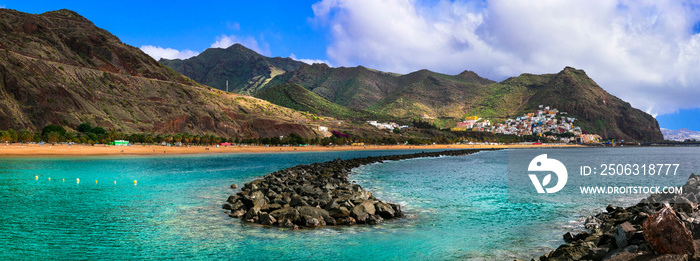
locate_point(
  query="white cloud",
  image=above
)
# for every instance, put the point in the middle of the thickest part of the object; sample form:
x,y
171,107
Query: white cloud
x,y
644,52
158,52
2,7
224,41
309,61
233,26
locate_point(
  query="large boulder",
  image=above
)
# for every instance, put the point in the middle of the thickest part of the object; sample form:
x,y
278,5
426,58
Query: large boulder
x,y
666,234
286,214
267,219
313,211
340,212
362,211
237,213
253,214
623,234
570,252
270,207
313,216
374,219
312,222
397,210
330,221
571,237
298,201
683,204
384,210
255,199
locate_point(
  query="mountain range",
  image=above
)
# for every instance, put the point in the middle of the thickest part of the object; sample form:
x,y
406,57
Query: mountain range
x,y
680,134
59,68
363,93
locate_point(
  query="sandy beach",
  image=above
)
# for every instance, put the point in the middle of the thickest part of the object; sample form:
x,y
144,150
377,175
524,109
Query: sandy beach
x,y
35,150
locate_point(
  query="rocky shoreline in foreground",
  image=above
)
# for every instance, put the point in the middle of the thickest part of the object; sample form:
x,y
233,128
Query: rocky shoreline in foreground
x,y
654,229
316,195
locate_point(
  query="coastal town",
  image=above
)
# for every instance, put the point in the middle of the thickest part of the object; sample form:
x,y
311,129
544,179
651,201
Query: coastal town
x,y
545,122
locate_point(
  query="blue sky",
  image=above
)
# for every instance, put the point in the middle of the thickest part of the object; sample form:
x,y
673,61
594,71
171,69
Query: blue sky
x,y
186,25
644,52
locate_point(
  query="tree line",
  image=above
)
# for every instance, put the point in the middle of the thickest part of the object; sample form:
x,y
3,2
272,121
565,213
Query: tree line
x,y
86,134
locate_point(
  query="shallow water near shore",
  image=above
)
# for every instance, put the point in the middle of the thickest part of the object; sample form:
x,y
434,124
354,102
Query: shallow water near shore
x,y
458,208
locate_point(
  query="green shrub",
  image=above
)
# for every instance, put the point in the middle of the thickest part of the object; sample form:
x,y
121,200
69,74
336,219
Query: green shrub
x,y
85,127
53,128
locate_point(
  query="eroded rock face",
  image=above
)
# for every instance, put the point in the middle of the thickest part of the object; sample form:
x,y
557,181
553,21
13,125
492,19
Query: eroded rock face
x,y
317,195
666,234
79,68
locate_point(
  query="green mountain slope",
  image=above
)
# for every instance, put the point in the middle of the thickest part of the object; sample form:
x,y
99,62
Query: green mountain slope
x,y
599,112
59,68
296,97
245,70
427,94
356,87
431,95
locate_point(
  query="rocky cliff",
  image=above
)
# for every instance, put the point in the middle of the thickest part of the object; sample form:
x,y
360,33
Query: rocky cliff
x,y
58,67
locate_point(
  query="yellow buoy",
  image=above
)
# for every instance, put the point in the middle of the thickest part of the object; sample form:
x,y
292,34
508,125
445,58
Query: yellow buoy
x,y
115,182
78,180
49,179
95,181
36,177
134,182
64,180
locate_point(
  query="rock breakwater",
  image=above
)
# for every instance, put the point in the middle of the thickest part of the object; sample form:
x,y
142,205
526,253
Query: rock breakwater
x,y
319,194
659,227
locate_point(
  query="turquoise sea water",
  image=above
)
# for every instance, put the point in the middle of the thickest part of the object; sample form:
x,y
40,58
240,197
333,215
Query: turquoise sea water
x,y
457,206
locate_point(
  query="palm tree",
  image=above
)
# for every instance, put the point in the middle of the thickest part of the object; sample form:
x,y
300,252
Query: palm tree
x,y
24,136
52,137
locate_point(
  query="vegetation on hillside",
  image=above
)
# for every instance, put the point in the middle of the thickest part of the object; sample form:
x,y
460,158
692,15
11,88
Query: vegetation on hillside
x,y
245,70
445,99
296,97
59,68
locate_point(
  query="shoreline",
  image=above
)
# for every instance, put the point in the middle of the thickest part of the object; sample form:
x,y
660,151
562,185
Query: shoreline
x,y
64,150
